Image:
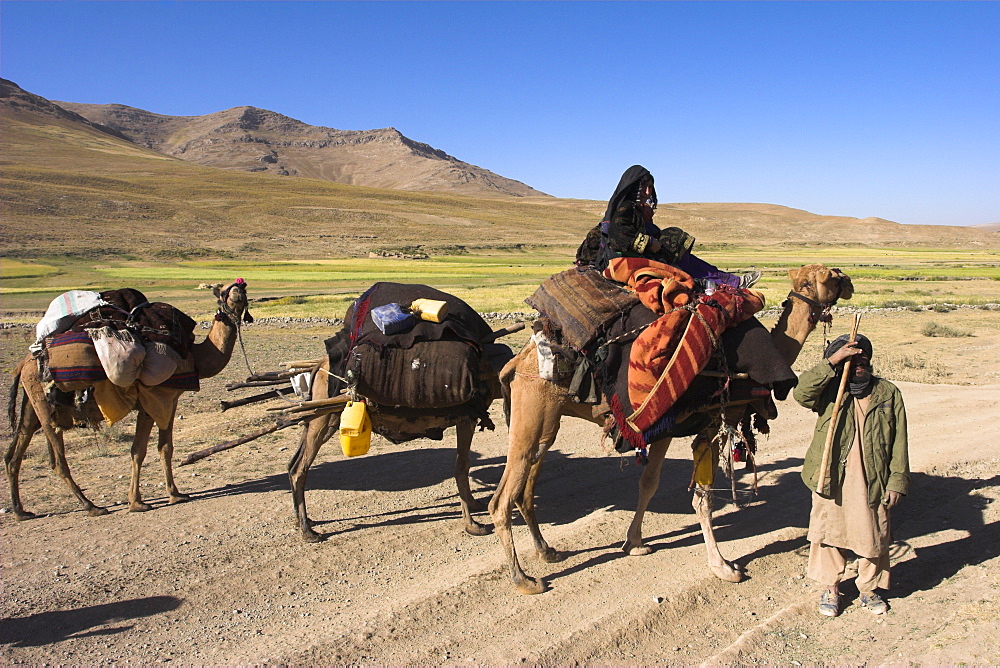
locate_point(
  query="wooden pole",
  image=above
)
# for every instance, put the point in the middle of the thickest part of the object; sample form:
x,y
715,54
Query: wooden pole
x,y
273,375
828,446
307,405
256,383
201,454
504,331
287,419
273,394
301,364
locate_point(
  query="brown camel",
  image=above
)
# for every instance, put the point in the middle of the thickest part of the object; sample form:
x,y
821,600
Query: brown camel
x,y
537,406
209,357
407,420
320,429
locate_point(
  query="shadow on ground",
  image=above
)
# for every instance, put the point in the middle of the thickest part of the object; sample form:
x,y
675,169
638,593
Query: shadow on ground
x,y
45,628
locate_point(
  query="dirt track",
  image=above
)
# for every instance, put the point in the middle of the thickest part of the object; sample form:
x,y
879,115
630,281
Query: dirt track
x,y
225,579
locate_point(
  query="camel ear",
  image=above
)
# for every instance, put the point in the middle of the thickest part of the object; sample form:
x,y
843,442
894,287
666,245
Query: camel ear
x,y
216,291
794,275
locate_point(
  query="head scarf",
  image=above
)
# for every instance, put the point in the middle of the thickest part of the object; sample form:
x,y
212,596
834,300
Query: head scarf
x,y
859,384
862,342
627,187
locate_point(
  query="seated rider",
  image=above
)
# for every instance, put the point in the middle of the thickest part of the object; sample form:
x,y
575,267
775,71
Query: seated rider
x,y
627,230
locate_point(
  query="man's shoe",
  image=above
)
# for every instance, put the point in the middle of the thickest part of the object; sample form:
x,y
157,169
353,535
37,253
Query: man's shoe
x,y
875,603
749,279
829,603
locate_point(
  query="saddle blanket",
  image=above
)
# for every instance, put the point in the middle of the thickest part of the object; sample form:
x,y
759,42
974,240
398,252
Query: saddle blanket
x,y
582,302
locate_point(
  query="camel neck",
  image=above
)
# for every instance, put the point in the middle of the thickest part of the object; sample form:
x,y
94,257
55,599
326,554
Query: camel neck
x,y
212,355
794,325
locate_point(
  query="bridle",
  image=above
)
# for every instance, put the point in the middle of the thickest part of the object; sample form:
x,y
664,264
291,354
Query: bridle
x,y
818,311
229,314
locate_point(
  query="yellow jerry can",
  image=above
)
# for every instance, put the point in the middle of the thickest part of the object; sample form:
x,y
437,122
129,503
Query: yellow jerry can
x,y
355,429
432,310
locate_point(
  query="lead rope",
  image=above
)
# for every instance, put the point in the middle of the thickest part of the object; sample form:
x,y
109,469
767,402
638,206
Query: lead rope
x,y
239,337
227,311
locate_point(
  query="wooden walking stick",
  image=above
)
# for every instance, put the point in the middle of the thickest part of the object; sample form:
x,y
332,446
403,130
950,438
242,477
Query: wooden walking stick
x,y
828,446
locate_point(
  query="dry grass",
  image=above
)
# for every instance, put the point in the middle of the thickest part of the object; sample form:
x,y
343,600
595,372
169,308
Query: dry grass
x,y
934,329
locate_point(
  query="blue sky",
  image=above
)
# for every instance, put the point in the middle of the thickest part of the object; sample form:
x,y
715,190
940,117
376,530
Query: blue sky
x,y
842,108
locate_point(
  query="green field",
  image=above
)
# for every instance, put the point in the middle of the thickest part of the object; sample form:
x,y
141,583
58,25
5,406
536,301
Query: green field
x,y
490,281
83,210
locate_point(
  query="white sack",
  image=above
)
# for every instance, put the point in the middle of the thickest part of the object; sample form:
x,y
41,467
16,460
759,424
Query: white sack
x,y
120,354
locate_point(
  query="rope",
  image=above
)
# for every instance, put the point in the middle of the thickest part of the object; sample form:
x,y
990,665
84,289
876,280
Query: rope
x,y
237,321
239,337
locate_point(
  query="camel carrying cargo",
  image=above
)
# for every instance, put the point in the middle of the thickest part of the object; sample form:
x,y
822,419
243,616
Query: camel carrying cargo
x,y
99,356
416,370
649,359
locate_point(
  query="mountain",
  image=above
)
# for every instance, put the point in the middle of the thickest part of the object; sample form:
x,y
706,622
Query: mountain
x,y
19,103
75,188
257,140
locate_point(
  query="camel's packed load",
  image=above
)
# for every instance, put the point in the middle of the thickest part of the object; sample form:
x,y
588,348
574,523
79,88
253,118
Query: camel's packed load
x,y
114,341
411,350
639,335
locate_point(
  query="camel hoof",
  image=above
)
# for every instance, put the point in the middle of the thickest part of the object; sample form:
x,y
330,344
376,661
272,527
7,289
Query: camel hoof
x,y
476,506
21,515
310,536
530,586
551,556
639,550
139,507
727,573
179,498
97,511
477,529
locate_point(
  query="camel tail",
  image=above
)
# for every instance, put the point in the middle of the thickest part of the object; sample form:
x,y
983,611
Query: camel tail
x,y
12,399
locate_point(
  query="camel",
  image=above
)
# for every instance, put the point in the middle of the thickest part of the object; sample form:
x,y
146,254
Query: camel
x,y
318,431
536,406
209,357
388,419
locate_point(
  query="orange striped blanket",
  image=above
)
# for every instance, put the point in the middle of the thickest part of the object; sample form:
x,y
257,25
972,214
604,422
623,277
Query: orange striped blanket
x,y
667,355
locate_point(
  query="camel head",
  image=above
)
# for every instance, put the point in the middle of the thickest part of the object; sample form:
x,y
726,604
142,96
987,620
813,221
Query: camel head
x,y
233,301
823,285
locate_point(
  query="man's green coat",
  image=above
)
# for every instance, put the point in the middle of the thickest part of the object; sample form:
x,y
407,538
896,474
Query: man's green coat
x,y
884,445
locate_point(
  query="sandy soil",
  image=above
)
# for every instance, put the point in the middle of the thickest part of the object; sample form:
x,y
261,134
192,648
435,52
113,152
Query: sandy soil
x,y
225,579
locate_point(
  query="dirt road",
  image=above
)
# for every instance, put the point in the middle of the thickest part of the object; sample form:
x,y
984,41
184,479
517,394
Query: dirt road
x,y
225,579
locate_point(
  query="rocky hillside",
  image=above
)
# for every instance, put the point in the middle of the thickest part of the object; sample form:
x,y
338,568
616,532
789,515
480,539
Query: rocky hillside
x,y
70,186
258,140
16,102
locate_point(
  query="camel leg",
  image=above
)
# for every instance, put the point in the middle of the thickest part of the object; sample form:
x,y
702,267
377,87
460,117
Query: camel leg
x,y
511,486
702,504
35,394
140,444
316,432
535,419
464,430
62,468
526,505
14,455
166,447
649,481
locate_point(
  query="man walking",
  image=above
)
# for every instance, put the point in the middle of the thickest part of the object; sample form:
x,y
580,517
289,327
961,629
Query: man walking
x,y
868,474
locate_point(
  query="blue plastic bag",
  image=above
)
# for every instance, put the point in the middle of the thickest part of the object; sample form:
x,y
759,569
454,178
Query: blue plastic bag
x,y
391,319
